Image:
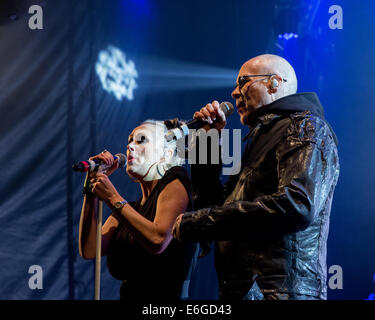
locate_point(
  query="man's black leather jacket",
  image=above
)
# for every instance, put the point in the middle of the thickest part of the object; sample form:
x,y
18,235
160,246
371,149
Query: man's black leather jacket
x,y
270,222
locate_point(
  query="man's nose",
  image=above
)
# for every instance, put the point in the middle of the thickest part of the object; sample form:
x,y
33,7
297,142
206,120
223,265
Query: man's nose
x,y
236,93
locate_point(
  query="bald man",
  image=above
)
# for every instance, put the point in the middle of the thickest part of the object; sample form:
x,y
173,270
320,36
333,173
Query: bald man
x,y
270,221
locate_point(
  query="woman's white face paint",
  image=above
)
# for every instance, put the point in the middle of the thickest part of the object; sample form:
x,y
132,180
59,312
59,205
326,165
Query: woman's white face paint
x,y
145,149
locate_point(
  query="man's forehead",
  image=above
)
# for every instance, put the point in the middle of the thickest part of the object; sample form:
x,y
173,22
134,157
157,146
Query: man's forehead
x,y
253,66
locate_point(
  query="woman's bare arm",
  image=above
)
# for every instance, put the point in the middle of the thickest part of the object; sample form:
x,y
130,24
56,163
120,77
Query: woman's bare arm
x,y
156,235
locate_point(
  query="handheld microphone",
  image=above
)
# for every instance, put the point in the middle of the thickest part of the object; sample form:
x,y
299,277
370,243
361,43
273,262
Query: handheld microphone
x,y
94,165
183,130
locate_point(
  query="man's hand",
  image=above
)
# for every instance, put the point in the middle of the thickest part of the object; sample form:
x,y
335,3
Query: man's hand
x,y
212,114
176,227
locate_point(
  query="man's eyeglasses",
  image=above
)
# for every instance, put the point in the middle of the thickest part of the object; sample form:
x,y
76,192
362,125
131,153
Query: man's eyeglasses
x,y
243,79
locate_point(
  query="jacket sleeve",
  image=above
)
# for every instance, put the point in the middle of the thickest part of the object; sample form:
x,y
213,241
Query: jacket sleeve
x,y
306,168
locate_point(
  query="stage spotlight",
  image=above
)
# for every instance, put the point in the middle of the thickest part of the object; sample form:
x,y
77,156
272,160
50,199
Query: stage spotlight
x,y
117,75
295,18
288,36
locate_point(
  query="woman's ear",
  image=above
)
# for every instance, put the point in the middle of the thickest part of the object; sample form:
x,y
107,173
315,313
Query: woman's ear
x,y
168,155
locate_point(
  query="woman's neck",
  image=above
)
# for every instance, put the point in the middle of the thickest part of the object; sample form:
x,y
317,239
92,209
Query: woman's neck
x,y
147,187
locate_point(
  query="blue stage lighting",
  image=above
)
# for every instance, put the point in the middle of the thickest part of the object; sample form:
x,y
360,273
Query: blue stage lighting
x,y
117,75
371,296
288,36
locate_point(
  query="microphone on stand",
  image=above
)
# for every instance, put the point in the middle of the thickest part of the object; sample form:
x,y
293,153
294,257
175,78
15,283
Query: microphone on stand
x,y
94,165
183,130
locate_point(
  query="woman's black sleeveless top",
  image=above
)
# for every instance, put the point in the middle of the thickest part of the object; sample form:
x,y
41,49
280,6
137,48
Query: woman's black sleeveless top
x,y
148,276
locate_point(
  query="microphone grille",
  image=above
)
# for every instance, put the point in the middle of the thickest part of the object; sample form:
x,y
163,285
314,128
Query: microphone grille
x,y
227,108
121,160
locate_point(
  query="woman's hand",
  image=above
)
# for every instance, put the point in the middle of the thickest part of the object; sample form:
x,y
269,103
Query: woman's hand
x,y
103,188
107,158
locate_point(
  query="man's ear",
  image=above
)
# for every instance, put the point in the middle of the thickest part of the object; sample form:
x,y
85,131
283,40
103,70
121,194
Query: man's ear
x,y
274,84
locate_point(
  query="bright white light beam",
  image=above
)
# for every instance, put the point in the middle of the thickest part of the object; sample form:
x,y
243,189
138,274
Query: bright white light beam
x,y
160,74
116,75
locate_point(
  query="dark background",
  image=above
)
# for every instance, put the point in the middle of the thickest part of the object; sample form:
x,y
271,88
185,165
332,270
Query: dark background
x,y
55,112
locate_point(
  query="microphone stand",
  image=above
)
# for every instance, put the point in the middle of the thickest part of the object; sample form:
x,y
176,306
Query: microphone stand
x,y
98,249
98,255
99,220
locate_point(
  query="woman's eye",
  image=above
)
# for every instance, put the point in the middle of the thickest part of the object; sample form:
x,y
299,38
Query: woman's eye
x,y
141,139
